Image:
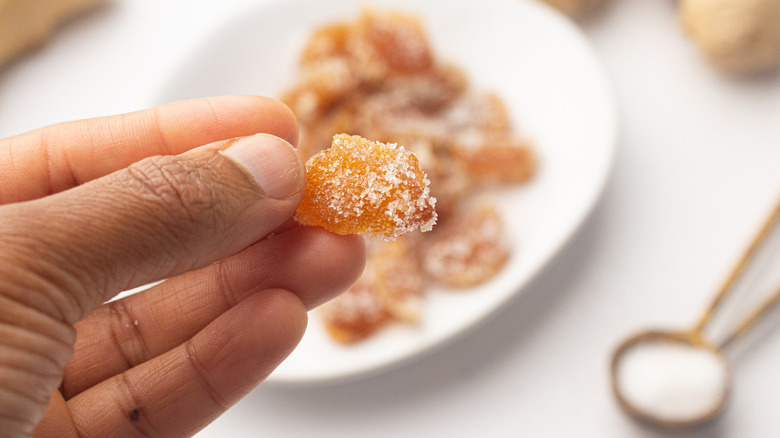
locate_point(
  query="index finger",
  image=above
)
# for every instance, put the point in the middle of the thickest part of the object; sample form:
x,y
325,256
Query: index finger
x,y
58,157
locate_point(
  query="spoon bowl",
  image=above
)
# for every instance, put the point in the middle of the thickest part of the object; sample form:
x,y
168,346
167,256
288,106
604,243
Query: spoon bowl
x,y
671,380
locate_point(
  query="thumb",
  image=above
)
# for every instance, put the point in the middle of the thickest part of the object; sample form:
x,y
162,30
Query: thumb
x,y
164,215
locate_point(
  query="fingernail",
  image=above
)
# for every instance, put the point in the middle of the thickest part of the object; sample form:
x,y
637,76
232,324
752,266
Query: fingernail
x,y
271,161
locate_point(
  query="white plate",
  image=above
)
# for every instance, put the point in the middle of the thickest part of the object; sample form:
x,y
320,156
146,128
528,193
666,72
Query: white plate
x,y
556,91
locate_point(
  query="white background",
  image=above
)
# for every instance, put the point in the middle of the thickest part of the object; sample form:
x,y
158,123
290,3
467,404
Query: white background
x,y
697,169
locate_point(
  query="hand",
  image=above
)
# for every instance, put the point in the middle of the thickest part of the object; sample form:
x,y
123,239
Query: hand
x,y
95,207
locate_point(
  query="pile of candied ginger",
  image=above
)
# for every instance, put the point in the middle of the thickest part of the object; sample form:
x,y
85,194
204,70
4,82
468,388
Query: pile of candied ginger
x,y
377,77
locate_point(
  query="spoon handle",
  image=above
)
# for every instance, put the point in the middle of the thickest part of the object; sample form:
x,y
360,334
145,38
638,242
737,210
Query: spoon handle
x,y
762,310
732,278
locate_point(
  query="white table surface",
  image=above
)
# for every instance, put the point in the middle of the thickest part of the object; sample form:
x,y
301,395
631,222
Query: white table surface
x,y
697,168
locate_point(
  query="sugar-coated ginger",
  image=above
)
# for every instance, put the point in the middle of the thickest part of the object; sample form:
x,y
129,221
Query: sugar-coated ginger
x,y
467,250
391,288
358,186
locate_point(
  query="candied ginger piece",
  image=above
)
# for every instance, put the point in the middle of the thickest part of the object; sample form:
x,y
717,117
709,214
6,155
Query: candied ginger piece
x,y
317,134
357,313
502,159
399,281
486,113
399,38
327,41
358,186
390,288
323,83
427,92
467,250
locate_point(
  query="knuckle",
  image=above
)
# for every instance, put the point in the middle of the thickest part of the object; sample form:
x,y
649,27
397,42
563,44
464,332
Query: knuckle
x,y
33,350
202,376
183,189
130,402
125,335
37,274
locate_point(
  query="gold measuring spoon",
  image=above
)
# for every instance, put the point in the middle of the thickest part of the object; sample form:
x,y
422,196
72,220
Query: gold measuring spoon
x,y
681,379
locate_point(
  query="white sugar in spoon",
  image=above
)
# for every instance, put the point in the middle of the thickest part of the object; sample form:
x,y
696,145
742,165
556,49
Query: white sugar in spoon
x,y
680,379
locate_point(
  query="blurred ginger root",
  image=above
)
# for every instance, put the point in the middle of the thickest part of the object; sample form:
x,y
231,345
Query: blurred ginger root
x,y
573,8
738,36
27,24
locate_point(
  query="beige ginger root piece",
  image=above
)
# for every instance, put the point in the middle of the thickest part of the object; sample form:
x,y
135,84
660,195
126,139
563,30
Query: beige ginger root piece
x,y
738,36
573,8
27,24
358,186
